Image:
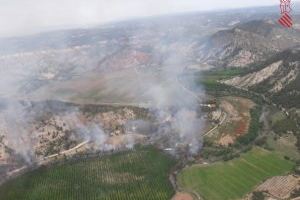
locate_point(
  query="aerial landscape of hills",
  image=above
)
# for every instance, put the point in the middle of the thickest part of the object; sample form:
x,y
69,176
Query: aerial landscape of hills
x,y
197,105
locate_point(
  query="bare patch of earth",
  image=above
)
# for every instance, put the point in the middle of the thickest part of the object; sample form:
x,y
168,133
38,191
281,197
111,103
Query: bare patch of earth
x,y
182,196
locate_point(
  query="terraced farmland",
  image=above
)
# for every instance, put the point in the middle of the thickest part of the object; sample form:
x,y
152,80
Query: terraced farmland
x,y
134,175
233,179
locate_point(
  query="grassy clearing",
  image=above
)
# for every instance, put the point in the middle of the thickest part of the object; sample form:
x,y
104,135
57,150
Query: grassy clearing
x,y
134,175
284,126
210,78
276,117
284,145
233,179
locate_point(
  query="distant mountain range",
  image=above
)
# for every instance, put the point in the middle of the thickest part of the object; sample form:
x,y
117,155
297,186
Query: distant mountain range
x,y
247,43
195,24
248,38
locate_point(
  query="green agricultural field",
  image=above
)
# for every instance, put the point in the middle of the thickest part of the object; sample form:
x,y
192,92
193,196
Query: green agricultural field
x,y
134,175
233,179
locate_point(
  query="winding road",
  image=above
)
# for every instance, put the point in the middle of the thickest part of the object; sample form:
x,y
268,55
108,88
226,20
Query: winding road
x,y
68,151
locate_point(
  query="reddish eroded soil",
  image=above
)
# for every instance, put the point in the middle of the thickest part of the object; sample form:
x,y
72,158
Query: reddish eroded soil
x,y
226,140
182,196
238,118
242,127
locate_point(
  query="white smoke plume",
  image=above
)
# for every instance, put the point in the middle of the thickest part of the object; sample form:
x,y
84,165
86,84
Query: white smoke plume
x,y
18,137
175,107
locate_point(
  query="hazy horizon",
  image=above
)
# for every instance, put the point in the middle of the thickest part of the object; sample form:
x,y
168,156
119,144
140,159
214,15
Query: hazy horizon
x,y
34,16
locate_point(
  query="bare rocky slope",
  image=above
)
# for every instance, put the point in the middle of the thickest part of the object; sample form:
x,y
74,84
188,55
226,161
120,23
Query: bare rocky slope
x,y
247,43
278,78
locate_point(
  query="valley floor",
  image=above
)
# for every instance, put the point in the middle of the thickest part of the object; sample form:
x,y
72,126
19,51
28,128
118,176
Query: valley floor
x,y
235,178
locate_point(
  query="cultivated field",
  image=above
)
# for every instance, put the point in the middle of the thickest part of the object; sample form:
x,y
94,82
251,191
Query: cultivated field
x,y
280,186
233,179
134,175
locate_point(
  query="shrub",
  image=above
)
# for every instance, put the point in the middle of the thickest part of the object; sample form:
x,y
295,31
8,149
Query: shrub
x,y
258,196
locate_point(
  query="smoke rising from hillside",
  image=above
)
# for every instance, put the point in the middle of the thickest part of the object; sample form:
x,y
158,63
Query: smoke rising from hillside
x,y
17,136
22,122
179,123
175,108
